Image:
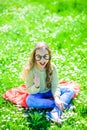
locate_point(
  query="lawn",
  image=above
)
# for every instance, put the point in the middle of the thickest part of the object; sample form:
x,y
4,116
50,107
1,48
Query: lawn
x,y
62,24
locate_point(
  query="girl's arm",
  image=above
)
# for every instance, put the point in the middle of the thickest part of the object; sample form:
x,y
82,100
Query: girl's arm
x,y
32,87
56,90
55,85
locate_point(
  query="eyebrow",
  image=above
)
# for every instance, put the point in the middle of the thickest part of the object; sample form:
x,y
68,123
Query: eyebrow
x,y
41,55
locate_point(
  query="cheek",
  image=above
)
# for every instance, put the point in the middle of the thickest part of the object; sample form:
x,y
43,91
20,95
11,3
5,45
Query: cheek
x,y
47,61
37,62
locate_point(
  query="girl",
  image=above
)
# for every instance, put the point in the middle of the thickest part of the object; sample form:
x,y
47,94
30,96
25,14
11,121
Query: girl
x,y
42,84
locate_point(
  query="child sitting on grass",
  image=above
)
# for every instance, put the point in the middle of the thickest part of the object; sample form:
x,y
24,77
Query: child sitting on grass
x,y
42,84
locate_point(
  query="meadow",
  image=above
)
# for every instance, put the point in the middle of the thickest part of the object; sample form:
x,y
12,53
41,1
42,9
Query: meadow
x,y
62,24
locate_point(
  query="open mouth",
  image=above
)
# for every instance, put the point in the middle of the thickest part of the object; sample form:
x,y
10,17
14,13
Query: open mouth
x,y
42,64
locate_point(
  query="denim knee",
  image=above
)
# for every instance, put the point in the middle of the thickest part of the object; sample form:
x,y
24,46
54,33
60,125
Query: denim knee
x,y
71,91
29,101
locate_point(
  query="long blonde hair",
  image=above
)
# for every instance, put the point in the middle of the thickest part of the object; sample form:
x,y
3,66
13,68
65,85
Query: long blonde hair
x,y
32,61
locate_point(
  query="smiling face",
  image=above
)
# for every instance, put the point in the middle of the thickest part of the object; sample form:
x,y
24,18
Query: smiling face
x,y
42,58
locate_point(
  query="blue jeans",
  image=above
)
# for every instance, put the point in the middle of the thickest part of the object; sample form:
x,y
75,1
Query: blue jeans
x,y
43,100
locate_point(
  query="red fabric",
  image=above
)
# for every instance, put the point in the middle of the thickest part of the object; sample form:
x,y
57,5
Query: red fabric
x,y
71,84
18,95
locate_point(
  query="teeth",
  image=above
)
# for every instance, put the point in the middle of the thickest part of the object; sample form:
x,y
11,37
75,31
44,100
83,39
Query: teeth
x,y
42,63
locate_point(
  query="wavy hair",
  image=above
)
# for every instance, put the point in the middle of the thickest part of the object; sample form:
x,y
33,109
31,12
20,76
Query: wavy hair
x,y
32,61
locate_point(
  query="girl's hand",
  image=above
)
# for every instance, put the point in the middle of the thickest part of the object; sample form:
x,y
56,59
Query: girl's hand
x,y
60,103
36,80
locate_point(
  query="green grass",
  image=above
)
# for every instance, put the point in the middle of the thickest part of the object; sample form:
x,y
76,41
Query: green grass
x,y
63,25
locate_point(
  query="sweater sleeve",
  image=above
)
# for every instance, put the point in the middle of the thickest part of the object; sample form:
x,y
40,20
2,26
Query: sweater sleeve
x,y
54,83
30,83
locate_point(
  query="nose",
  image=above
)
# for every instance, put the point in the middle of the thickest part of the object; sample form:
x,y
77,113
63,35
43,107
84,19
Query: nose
x,y
42,58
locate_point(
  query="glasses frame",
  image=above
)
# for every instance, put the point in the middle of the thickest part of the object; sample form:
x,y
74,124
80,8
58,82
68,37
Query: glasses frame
x,y
44,56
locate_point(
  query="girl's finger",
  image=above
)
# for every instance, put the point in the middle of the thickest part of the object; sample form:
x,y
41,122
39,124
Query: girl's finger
x,y
65,103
